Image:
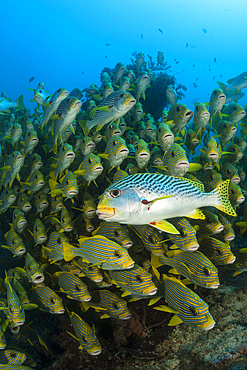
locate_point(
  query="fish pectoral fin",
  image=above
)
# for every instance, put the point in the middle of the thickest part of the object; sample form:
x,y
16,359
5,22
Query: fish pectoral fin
x,y
30,306
237,273
186,281
126,293
164,226
197,214
155,262
165,309
153,301
173,271
105,316
175,320
194,167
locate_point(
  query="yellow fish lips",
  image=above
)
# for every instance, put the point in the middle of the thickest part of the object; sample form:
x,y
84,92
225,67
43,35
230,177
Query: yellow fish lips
x,y
128,265
125,316
129,100
105,212
213,154
230,260
150,290
209,324
94,351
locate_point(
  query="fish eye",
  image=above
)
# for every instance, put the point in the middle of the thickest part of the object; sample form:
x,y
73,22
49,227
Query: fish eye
x,y
22,199
12,355
235,108
35,228
62,219
64,148
13,154
178,109
122,95
115,305
211,177
114,142
28,267
111,126
219,252
29,134
115,193
225,125
215,92
139,278
59,90
53,301
84,340
15,215
228,171
197,108
194,311
59,240
159,129
7,192
39,196
150,238
117,254
206,271
90,268
116,233
67,182
89,160
173,154
36,176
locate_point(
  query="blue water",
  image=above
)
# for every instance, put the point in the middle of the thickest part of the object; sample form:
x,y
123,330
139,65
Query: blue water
x,y
56,40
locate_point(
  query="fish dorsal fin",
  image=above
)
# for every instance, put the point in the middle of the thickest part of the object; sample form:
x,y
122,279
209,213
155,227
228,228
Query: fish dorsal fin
x,y
194,183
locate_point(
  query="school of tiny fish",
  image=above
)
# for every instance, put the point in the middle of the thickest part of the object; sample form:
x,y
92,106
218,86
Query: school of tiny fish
x,y
96,197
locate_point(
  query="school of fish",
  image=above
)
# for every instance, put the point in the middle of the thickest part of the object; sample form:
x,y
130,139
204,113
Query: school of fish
x,y
106,205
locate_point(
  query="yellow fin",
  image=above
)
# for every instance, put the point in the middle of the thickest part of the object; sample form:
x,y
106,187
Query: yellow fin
x,y
197,214
173,271
224,204
153,301
237,273
175,320
186,281
165,309
126,293
194,167
164,226
105,316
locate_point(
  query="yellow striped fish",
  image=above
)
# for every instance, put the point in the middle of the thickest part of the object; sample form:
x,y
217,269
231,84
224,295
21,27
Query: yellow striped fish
x,y
73,286
92,272
85,335
14,311
100,251
14,243
135,281
12,357
217,251
186,239
150,238
188,307
47,299
32,270
39,232
54,249
114,231
109,304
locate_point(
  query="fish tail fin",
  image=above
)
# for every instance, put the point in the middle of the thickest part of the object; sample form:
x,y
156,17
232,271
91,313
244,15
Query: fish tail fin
x,y
85,127
224,204
68,254
222,86
20,103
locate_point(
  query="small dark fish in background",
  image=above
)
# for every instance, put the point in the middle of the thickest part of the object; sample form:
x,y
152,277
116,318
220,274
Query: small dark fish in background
x,y
177,62
215,60
106,56
209,70
220,76
107,44
82,73
195,85
193,65
141,35
187,44
197,78
160,30
204,30
174,60
31,79
214,78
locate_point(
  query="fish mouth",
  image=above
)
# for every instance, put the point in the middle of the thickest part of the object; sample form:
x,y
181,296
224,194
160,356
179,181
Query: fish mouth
x,y
230,238
105,212
90,145
2,346
98,169
90,212
42,239
208,167
231,260
167,136
60,312
193,248
89,229
182,164
125,317
22,222
139,111
41,183
205,114
150,292
127,245
240,200
214,286
15,329
34,139
209,327
44,204
19,323
77,103
72,192
117,133
143,155
87,299
213,155
38,279
12,198
131,102
26,208
124,151
222,96
235,180
189,114
19,157
70,155
195,141
158,162
68,229
20,251
128,265
95,353
98,280
219,229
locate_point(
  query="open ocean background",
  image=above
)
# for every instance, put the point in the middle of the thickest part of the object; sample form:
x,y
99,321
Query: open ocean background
x,y
56,40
